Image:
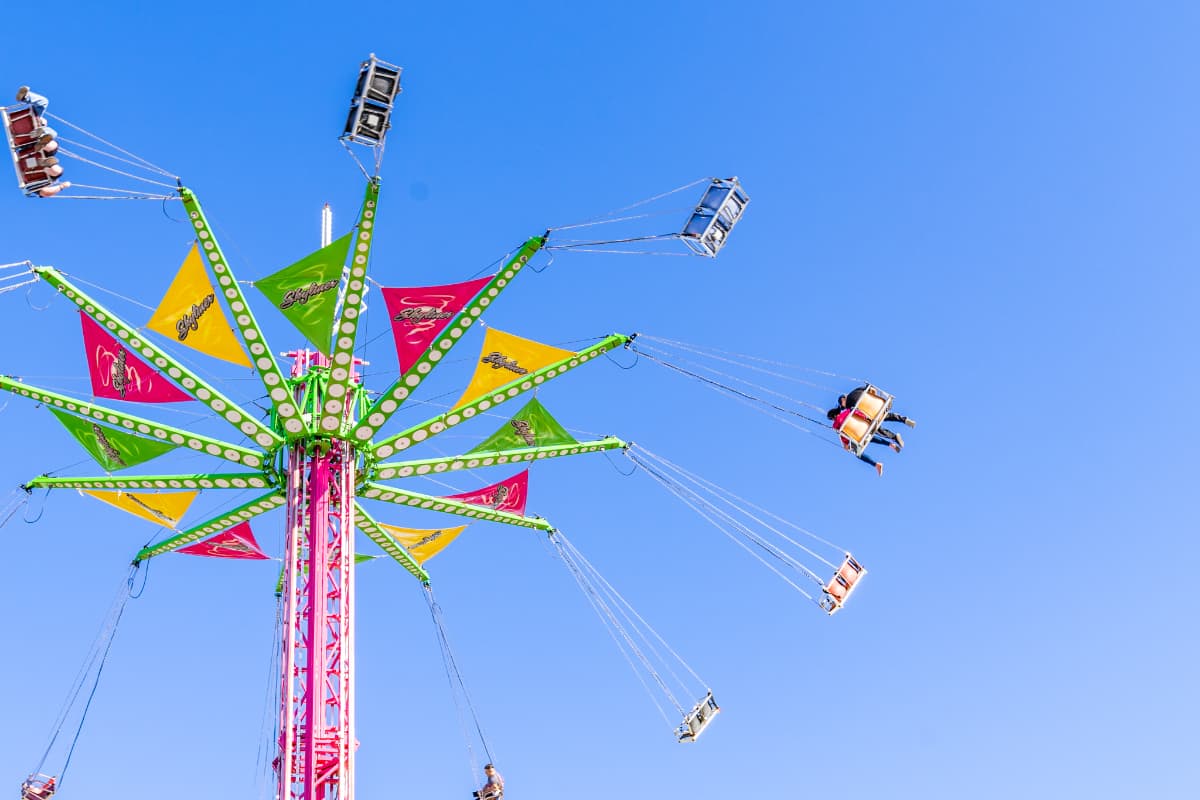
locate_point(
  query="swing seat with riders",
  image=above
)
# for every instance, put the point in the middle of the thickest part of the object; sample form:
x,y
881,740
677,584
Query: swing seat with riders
x,y
869,411
32,146
38,787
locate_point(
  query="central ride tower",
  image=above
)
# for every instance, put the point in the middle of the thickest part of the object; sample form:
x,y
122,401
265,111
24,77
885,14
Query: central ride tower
x,y
316,725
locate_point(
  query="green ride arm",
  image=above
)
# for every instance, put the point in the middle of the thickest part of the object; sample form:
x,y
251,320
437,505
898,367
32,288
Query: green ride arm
x,y
243,317
376,533
231,480
389,401
376,491
339,391
405,469
193,384
431,427
146,427
246,511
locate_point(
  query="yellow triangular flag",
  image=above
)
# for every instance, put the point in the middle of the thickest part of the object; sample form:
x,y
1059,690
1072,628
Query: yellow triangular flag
x,y
424,544
191,315
161,509
504,359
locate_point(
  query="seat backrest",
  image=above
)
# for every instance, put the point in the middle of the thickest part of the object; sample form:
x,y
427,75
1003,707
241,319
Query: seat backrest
x,y
22,126
855,427
870,403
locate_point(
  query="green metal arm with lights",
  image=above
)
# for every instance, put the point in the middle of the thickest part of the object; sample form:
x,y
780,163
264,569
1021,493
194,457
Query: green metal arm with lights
x,y
525,383
251,334
391,400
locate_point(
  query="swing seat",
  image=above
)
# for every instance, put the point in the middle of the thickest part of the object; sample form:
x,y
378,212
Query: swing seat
x,y
842,584
23,129
869,413
719,210
38,787
697,719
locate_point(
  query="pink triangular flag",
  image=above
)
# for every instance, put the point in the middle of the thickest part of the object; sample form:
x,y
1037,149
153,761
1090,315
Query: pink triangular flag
x,y
419,314
237,542
507,495
118,374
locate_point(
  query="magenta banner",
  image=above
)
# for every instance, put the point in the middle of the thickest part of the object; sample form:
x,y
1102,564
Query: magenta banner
x,y
237,542
507,495
419,314
118,374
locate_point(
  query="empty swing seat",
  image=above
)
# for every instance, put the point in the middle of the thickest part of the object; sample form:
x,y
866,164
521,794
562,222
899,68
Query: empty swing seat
x,y
697,719
373,102
842,584
719,210
869,413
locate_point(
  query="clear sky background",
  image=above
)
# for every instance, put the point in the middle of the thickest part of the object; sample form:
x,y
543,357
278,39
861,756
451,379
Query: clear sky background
x,y
987,208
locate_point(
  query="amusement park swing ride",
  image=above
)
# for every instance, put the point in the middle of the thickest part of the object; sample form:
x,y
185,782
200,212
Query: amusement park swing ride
x,y
320,453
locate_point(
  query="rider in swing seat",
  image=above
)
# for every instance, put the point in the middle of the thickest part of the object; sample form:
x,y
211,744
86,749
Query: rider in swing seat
x,y
494,788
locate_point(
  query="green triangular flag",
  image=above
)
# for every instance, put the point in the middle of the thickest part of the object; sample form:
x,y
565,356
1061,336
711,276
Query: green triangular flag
x,y
112,448
307,291
532,426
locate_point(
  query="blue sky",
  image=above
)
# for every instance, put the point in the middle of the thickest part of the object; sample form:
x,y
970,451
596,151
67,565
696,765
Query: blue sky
x,y
986,208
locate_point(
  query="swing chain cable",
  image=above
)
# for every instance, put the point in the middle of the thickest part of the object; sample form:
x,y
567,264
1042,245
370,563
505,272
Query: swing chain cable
x,y
97,657
736,379
630,610
632,620
14,286
453,676
688,493
16,500
582,249
97,151
786,420
354,156
613,626
747,357
599,219
106,290
742,361
722,387
113,170
713,514
629,218
268,729
107,197
13,271
575,245
729,498
147,164
134,194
